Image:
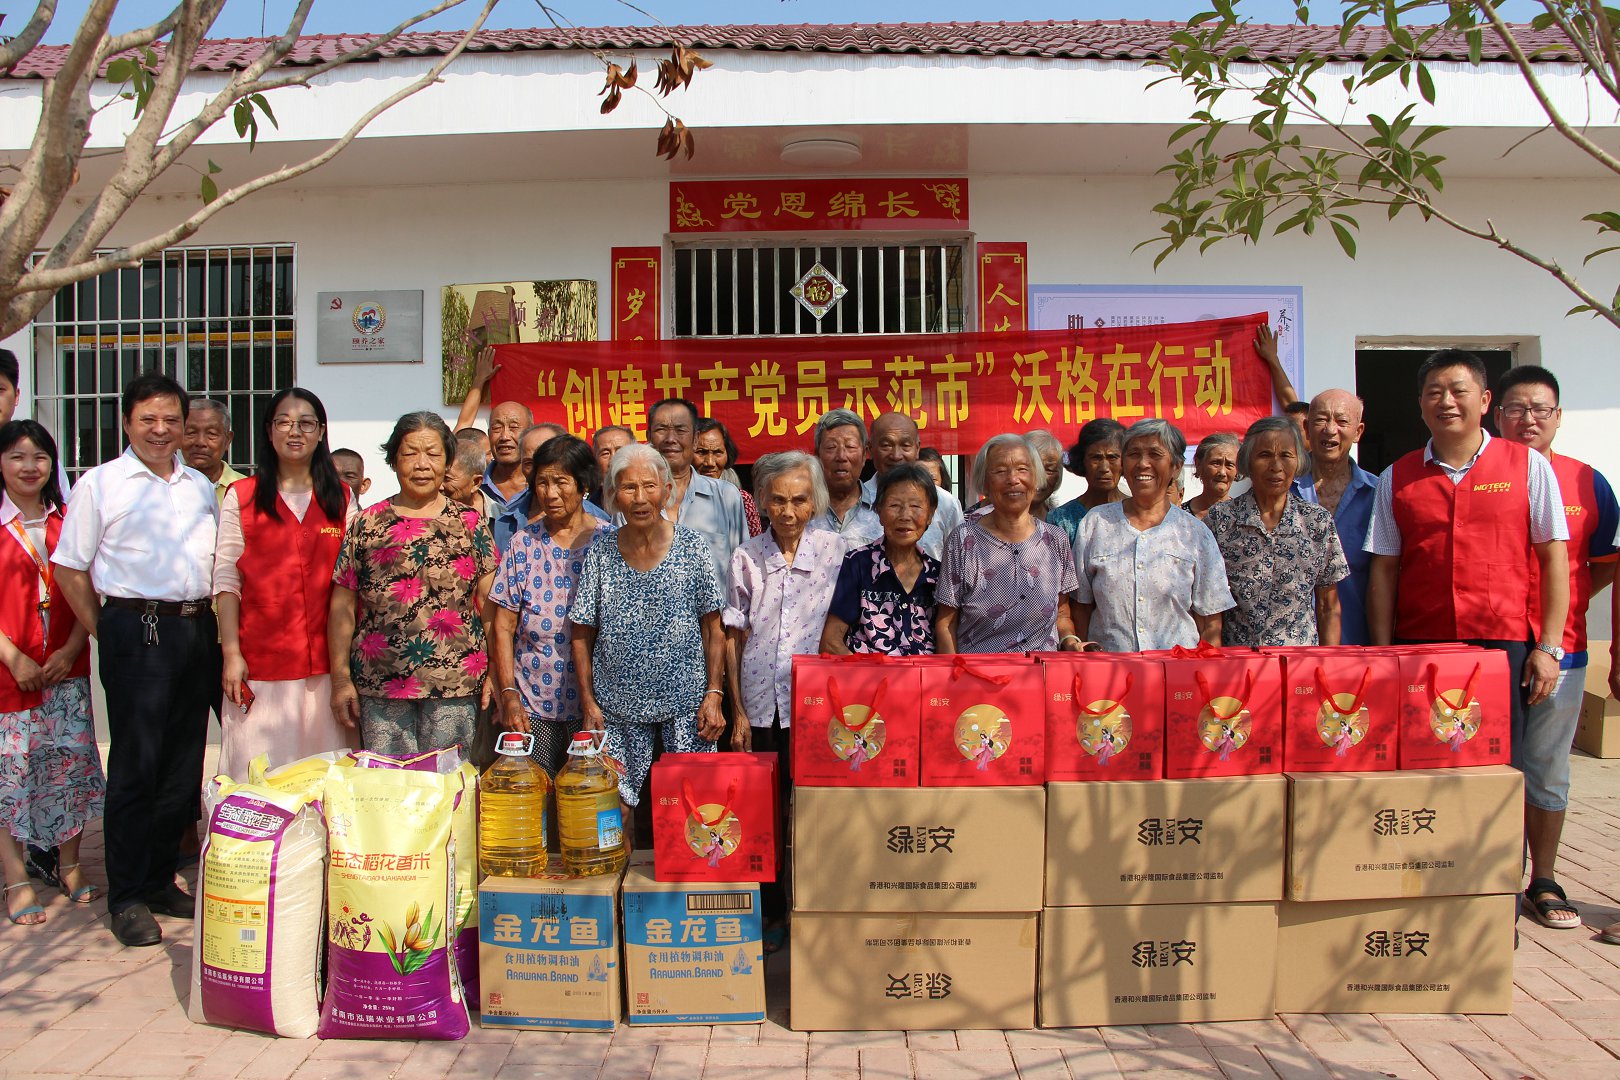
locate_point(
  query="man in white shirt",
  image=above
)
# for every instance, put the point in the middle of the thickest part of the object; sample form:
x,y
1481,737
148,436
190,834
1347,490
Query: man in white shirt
x,y
897,441
140,532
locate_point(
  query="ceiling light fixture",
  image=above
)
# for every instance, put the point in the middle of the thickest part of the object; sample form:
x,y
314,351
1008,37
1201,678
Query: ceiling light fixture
x,y
822,152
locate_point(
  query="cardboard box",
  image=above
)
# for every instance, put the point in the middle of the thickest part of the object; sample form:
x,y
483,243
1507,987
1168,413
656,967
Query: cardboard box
x,y
1104,717
918,849
1441,954
1165,841
692,952
1341,710
1457,711
1598,730
983,721
1223,716
1428,832
1157,964
548,951
714,817
856,722
913,972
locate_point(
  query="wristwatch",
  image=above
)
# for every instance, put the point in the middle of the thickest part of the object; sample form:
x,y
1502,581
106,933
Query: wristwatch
x,y
1554,651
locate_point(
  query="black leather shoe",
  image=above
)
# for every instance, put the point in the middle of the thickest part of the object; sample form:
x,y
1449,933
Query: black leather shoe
x,y
135,927
174,902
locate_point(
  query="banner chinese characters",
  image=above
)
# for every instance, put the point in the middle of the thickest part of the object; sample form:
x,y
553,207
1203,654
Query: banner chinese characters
x,y
635,293
701,206
1003,287
960,388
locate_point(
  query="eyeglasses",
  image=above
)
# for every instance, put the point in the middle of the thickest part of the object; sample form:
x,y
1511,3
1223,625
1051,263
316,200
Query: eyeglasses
x,y
285,424
1517,412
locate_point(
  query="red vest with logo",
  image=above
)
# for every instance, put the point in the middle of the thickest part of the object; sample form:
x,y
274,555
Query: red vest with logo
x,y
1577,484
1465,548
286,571
19,614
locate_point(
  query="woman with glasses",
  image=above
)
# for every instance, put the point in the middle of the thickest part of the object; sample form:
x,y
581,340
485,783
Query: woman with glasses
x,y
280,531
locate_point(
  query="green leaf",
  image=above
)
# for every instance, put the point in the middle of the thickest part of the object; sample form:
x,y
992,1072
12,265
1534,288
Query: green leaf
x,y
210,190
120,71
212,167
1425,83
1346,240
259,100
1600,251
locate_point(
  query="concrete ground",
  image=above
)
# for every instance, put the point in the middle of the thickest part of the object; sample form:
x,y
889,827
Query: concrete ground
x,y
75,1003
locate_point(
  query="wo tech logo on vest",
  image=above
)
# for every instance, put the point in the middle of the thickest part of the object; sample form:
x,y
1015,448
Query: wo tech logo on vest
x,y
1499,487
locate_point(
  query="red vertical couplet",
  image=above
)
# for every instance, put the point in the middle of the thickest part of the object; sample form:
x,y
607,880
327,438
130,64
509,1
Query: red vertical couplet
x,y
1003,288
636,294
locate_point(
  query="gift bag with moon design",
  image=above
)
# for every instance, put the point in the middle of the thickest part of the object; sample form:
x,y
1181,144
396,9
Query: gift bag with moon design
x,y
714,817
855,721
983,721
1223,713
1341,710
1104,717
1458,708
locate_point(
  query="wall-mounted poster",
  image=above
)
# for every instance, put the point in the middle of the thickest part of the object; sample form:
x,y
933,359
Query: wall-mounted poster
x,y
377,327
1108,307
509,313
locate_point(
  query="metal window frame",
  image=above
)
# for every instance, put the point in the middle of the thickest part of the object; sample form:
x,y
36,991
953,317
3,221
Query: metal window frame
x,y
171,339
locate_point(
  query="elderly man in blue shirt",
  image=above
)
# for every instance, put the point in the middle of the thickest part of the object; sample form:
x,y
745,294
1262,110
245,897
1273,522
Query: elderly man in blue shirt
x,y
1334,425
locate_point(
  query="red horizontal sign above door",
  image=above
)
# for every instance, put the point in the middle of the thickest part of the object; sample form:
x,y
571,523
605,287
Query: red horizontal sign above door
x,y
821,205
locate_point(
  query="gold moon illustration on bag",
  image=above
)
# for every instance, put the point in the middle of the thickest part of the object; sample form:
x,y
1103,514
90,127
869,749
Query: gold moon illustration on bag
x,y
1335,719
859,728
1104,723
701,838
1213,731
983,733
1453,725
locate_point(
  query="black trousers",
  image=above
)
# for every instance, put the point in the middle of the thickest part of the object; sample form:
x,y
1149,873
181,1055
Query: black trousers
x,y
1519,699
775,897
158,698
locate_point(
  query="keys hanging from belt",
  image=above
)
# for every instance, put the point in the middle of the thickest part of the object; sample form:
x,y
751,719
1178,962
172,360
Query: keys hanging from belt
x,y
149,620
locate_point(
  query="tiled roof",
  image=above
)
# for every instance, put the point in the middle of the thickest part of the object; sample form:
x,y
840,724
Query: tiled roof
x,y
1090,40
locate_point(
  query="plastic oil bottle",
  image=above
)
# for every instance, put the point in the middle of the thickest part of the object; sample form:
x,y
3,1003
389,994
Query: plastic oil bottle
x,y
512,811
590,823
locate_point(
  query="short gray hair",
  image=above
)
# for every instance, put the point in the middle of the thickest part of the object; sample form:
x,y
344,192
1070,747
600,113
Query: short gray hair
x,y
837,418
209,403
635,454
470,457
1042,441
1152,427
981,460
1268,425
771,466
1214,442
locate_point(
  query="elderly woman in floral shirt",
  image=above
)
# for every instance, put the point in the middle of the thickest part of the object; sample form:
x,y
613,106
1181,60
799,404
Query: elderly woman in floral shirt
x,y
409,605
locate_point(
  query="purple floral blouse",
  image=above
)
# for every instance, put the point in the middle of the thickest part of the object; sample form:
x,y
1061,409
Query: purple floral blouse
x,y
1007,595
882,616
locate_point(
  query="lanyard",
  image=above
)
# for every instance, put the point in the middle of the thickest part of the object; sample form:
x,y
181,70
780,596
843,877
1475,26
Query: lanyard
x,y
47,576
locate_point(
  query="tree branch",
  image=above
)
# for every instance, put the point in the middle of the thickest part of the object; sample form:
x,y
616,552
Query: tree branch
x,y
305,74
20,46
136,39
1593,60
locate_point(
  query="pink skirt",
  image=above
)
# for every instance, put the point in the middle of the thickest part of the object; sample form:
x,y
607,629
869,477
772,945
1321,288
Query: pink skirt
x,y
289,720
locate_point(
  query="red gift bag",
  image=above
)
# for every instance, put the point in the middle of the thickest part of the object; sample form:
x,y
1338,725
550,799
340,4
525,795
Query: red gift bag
x,y
714,817
1222,713
855,721
1104,717
1341,710
1457,708
983,721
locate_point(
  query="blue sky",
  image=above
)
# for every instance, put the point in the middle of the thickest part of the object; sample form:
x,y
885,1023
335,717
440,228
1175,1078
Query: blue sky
x,y
242,18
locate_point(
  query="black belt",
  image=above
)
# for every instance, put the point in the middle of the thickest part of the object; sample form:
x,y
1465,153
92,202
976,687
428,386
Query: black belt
x,y
185,609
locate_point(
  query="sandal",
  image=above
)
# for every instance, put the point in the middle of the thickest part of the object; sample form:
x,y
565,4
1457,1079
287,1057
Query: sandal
x,y
85,894
1545,896
23,917
1610,935
775,938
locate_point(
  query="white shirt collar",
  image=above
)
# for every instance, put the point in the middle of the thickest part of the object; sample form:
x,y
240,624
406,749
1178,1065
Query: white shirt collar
x,y
1430,459
133,466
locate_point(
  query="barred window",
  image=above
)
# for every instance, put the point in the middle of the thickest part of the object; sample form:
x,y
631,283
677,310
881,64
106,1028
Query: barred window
x,y
219,320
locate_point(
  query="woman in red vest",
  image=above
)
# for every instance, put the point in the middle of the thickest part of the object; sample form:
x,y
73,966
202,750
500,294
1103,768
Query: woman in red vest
x,y
50,772
279,536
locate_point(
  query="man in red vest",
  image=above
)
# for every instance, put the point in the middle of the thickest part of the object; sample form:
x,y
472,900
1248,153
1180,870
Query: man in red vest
x,y
1463,533
1528,412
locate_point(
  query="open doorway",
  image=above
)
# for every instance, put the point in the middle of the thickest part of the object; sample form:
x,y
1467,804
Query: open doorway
x,y
1386,379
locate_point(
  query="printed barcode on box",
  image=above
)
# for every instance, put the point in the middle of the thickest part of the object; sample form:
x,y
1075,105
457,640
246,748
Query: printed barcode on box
x,y
247,935
705,902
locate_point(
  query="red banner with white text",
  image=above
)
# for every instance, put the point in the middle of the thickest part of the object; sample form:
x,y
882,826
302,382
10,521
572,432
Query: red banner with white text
x,y
961,389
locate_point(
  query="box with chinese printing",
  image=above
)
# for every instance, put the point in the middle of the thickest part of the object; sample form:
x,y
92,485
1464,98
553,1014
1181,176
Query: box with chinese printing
x,y
1427,832
1598,730
548,951
918,849
1157,964
1341,710
983,721
855,721
866,972
1438,954
692,952
1165,841
1222,715
1457,708
1104,717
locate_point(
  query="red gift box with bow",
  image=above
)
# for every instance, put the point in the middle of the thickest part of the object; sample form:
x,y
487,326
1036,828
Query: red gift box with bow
x,y
983,720
1104,716
1457,709
1341,709
714,817
1223,713
855,721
